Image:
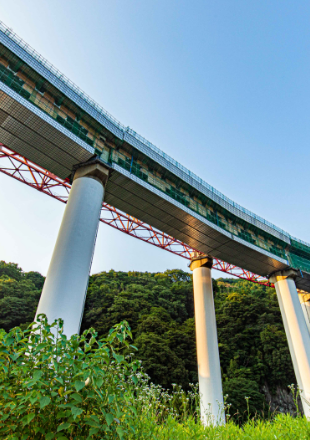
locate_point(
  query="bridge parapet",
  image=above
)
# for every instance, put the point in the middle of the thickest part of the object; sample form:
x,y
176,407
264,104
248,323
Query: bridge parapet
x,y
37,82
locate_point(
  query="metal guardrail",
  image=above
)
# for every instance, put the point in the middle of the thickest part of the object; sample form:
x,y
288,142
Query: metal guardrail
x,y
11,34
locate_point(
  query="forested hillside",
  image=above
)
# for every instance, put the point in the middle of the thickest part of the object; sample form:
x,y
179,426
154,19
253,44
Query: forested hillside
x,y
159,308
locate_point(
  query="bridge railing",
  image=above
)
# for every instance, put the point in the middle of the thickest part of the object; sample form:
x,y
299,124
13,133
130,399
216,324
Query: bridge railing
x,y
39,58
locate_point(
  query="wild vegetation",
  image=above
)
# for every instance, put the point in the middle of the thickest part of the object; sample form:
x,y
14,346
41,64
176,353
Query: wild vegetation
x,y
87,388
158,308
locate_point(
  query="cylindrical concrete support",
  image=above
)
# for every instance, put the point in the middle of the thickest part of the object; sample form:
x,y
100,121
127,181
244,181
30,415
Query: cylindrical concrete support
x,y
209,371
304,299
64,290
296,330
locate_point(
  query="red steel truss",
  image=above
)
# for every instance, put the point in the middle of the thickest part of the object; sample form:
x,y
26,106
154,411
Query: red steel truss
x,y
14,165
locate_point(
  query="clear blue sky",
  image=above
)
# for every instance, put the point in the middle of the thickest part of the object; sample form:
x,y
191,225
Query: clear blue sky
x,y
221,86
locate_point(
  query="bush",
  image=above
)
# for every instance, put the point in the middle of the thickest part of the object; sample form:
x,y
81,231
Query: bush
x,y
52,387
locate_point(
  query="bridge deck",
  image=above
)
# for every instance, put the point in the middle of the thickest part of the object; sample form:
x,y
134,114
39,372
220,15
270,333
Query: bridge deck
x,y
49,120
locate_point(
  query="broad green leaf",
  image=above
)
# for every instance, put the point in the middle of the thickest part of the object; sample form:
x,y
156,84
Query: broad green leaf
x,y
39,346
33,399
49,436
135,380
44,401
99,382
63,426
118,357
9,341
77,397
92,423
14,356
27,419
76,411
37,375
93,431
109,418
120,432
79,385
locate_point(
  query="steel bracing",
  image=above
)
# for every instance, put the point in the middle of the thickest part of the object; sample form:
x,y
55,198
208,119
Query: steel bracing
x,y
45,118
14,165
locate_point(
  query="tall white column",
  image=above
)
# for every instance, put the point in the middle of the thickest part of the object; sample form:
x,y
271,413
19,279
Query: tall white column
x,y
304,299
209,370
296,330
64,290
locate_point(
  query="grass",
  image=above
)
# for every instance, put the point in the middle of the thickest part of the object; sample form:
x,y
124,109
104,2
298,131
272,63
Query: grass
x,y
173,416
282,427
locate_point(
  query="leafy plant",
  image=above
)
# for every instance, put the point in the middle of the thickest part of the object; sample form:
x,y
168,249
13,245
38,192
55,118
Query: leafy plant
x,y
53,387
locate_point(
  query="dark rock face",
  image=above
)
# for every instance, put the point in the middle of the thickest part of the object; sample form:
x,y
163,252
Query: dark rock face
x,y
282,400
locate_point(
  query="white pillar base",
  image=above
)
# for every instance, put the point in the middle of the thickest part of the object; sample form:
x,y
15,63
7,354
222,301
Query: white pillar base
x,y
209,370
296,330
64,290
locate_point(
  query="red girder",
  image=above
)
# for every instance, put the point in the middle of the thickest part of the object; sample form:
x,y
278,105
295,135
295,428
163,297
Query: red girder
x,y
14,165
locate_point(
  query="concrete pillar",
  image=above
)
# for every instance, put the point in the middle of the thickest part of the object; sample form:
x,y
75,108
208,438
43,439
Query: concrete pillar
x,y
209,371
296,330
304,299
64,290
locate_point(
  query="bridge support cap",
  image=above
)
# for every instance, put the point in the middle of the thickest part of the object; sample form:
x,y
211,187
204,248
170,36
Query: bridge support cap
x,y
198,260
283,275
95,170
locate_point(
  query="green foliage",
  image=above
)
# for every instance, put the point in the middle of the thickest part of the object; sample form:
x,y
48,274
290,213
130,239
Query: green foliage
x,y
160,311
10,270
19,295
282,427
85,388
55,388
252,340
244,397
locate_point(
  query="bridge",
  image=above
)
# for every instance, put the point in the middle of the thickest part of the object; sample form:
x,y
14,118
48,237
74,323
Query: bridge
x,y
58,140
